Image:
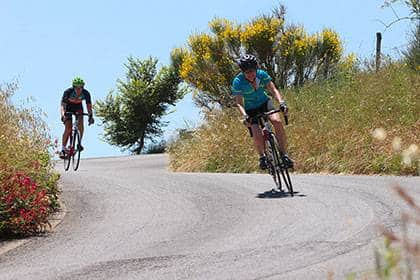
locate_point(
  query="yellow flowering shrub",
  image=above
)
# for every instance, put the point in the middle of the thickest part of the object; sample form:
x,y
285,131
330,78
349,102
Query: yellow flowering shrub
x,y
201,45
331,44
177,57
349,62
225,29
261,34
187,66
296,43
289,54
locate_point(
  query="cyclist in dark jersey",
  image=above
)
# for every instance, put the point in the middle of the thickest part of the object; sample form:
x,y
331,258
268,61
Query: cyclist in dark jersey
x,y
249,89
72,102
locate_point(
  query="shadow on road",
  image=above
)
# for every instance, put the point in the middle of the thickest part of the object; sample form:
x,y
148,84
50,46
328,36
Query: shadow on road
x,y
277,194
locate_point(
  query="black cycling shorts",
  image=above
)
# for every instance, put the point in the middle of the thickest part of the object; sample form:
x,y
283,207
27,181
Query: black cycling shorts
x,y
73,108
266,107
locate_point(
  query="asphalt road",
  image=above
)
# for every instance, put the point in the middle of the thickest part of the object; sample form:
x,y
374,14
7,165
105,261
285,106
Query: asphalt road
x,y
131,218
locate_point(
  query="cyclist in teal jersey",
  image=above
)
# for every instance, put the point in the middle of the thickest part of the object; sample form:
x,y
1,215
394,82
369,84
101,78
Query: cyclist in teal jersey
x,y
72,102
250,89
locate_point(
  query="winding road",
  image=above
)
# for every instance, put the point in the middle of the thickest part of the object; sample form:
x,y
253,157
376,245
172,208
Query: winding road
x,y
131,218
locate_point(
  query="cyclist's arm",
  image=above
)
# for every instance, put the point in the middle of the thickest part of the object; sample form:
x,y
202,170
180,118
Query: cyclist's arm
x,y
64,101
88,103
237,95
63,109
274,92
240,103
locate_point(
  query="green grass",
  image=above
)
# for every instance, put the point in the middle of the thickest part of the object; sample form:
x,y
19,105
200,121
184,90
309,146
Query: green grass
x,y
331,125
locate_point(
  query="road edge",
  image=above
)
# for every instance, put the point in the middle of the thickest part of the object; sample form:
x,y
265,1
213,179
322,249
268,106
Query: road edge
x,y
55,219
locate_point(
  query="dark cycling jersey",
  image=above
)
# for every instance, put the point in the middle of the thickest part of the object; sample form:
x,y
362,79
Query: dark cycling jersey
x,y
70,96
73,102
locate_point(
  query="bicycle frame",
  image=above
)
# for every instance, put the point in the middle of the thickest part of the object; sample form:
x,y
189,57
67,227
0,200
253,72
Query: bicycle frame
x,y
72,150
265,125
74,130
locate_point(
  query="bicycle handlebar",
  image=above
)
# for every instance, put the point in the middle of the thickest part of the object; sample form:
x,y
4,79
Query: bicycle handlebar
x,y
264,114
286,119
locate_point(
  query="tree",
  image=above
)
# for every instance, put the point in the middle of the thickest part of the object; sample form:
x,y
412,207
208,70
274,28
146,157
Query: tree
x,y
412,54
287,53
133,114
412,5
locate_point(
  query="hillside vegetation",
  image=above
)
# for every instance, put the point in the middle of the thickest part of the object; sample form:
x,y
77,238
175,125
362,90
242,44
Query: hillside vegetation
x,y
28,184
333,128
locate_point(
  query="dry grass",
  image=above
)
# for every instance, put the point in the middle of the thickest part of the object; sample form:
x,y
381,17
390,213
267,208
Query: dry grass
x,y
331,126
399,257
222,145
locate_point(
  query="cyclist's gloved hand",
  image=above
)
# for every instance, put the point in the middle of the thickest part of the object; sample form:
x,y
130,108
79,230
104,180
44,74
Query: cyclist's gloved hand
x,y
283,107
91,120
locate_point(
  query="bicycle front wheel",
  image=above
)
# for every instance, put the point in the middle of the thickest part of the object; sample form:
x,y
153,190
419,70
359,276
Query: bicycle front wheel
x,y
76,154
281,167
286,178
272,162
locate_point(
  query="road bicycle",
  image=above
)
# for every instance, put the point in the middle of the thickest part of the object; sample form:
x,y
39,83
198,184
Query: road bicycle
x,y
275,165
72,152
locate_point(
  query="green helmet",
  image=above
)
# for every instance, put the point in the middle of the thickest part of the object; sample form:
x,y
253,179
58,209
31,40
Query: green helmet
x,y
78,82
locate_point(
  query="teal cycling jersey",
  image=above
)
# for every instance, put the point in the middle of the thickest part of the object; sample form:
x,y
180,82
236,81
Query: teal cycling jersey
x,y
253,98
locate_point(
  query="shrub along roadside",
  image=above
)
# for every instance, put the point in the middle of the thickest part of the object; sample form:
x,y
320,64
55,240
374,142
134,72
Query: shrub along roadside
x,y
330,130
28,184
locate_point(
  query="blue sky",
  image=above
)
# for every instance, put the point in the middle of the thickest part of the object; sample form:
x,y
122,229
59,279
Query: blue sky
x,y
46,43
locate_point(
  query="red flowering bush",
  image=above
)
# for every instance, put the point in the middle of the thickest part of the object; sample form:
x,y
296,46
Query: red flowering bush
x,y
28,182
24,205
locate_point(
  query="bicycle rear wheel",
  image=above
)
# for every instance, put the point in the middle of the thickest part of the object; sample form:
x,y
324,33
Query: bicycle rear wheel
x,y
272,162
76,154
67,157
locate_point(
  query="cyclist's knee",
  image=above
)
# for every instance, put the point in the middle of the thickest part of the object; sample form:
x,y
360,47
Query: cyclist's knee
x,y
276,120
256,129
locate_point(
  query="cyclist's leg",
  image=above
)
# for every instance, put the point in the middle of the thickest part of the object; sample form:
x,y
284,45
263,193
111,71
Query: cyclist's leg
x,y
66,135
67,128
258,139
278,127
80,127
259,143
256,130
280,136
80,124
67,131
280,132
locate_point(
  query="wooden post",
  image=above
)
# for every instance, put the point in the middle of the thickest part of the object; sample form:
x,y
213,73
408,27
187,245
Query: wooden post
x,y
378,50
